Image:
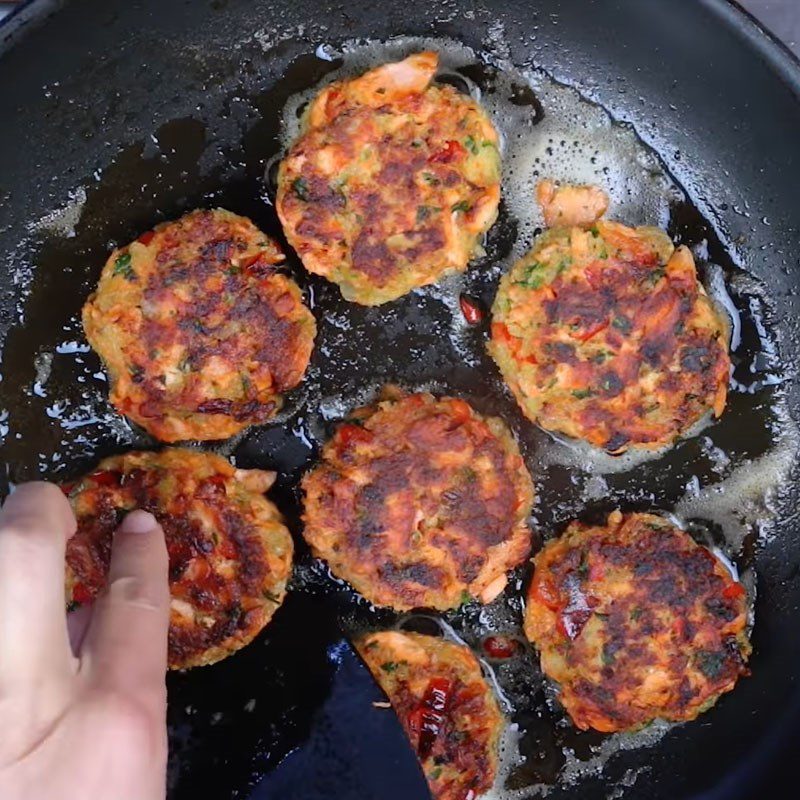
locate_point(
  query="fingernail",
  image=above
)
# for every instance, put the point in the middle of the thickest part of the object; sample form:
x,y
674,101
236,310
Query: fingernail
x,y
138,522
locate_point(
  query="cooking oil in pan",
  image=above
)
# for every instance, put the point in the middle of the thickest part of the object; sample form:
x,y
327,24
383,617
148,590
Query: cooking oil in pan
x,y
725,479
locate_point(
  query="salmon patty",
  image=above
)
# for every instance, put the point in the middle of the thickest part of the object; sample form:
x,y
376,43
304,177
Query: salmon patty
x,y
199,333
420,502
445,705
636,622
603,332
392,182
230,556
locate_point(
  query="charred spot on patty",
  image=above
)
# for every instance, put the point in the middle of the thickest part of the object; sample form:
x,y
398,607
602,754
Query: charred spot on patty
x,y
209,337
635,622
384,192
606,335
229,553
445,705
420,501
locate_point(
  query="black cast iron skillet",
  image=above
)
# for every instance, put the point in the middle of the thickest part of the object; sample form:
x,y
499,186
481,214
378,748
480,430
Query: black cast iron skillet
x,y
154,108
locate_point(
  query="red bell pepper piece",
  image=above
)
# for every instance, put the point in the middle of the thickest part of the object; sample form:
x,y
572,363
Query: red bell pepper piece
x,y
472,312
451,151
427,719
499,647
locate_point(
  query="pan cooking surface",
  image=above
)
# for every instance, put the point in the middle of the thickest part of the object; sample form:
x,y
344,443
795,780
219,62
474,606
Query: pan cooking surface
x,y
727,482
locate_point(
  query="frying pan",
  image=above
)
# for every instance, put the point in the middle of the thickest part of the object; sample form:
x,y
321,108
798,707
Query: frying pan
x,y
117,114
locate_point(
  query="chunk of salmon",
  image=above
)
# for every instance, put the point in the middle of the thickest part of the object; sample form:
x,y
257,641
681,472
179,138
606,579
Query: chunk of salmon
x,y
570,205
375,88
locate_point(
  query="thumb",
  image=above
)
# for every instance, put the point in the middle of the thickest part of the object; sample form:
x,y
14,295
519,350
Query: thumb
x,y
126,644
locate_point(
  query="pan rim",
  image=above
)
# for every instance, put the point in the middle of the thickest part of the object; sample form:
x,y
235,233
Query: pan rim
x,y
29,13
778,55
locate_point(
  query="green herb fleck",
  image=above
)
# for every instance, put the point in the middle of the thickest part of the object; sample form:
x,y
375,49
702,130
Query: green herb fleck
x,y
594,231
710,662
471,145
122,266
621,324
430,178
636,613
72,605
234,270
435,774
582,394
423,212
565,262
531,279
607,655
656,275
416,143
599,358
389,666
583,567
300,188
461,205
466,597
246,384
533,283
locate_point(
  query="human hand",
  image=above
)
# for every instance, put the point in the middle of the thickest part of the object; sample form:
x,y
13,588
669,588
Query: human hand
x,y
82,703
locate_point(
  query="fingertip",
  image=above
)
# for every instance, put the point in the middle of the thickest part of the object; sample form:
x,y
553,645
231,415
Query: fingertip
x,y
39,505
139,549
139,522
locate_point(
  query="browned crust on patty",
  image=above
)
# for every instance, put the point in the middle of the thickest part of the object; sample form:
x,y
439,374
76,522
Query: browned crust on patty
x,y
420,502
200,335
392,182
230,556
445,706
635,621
605,335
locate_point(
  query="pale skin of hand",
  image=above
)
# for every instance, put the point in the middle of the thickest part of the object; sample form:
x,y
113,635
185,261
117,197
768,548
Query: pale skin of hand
x,y
82,703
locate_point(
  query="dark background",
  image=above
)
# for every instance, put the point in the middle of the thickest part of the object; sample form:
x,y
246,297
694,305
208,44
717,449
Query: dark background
x,y
782,17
